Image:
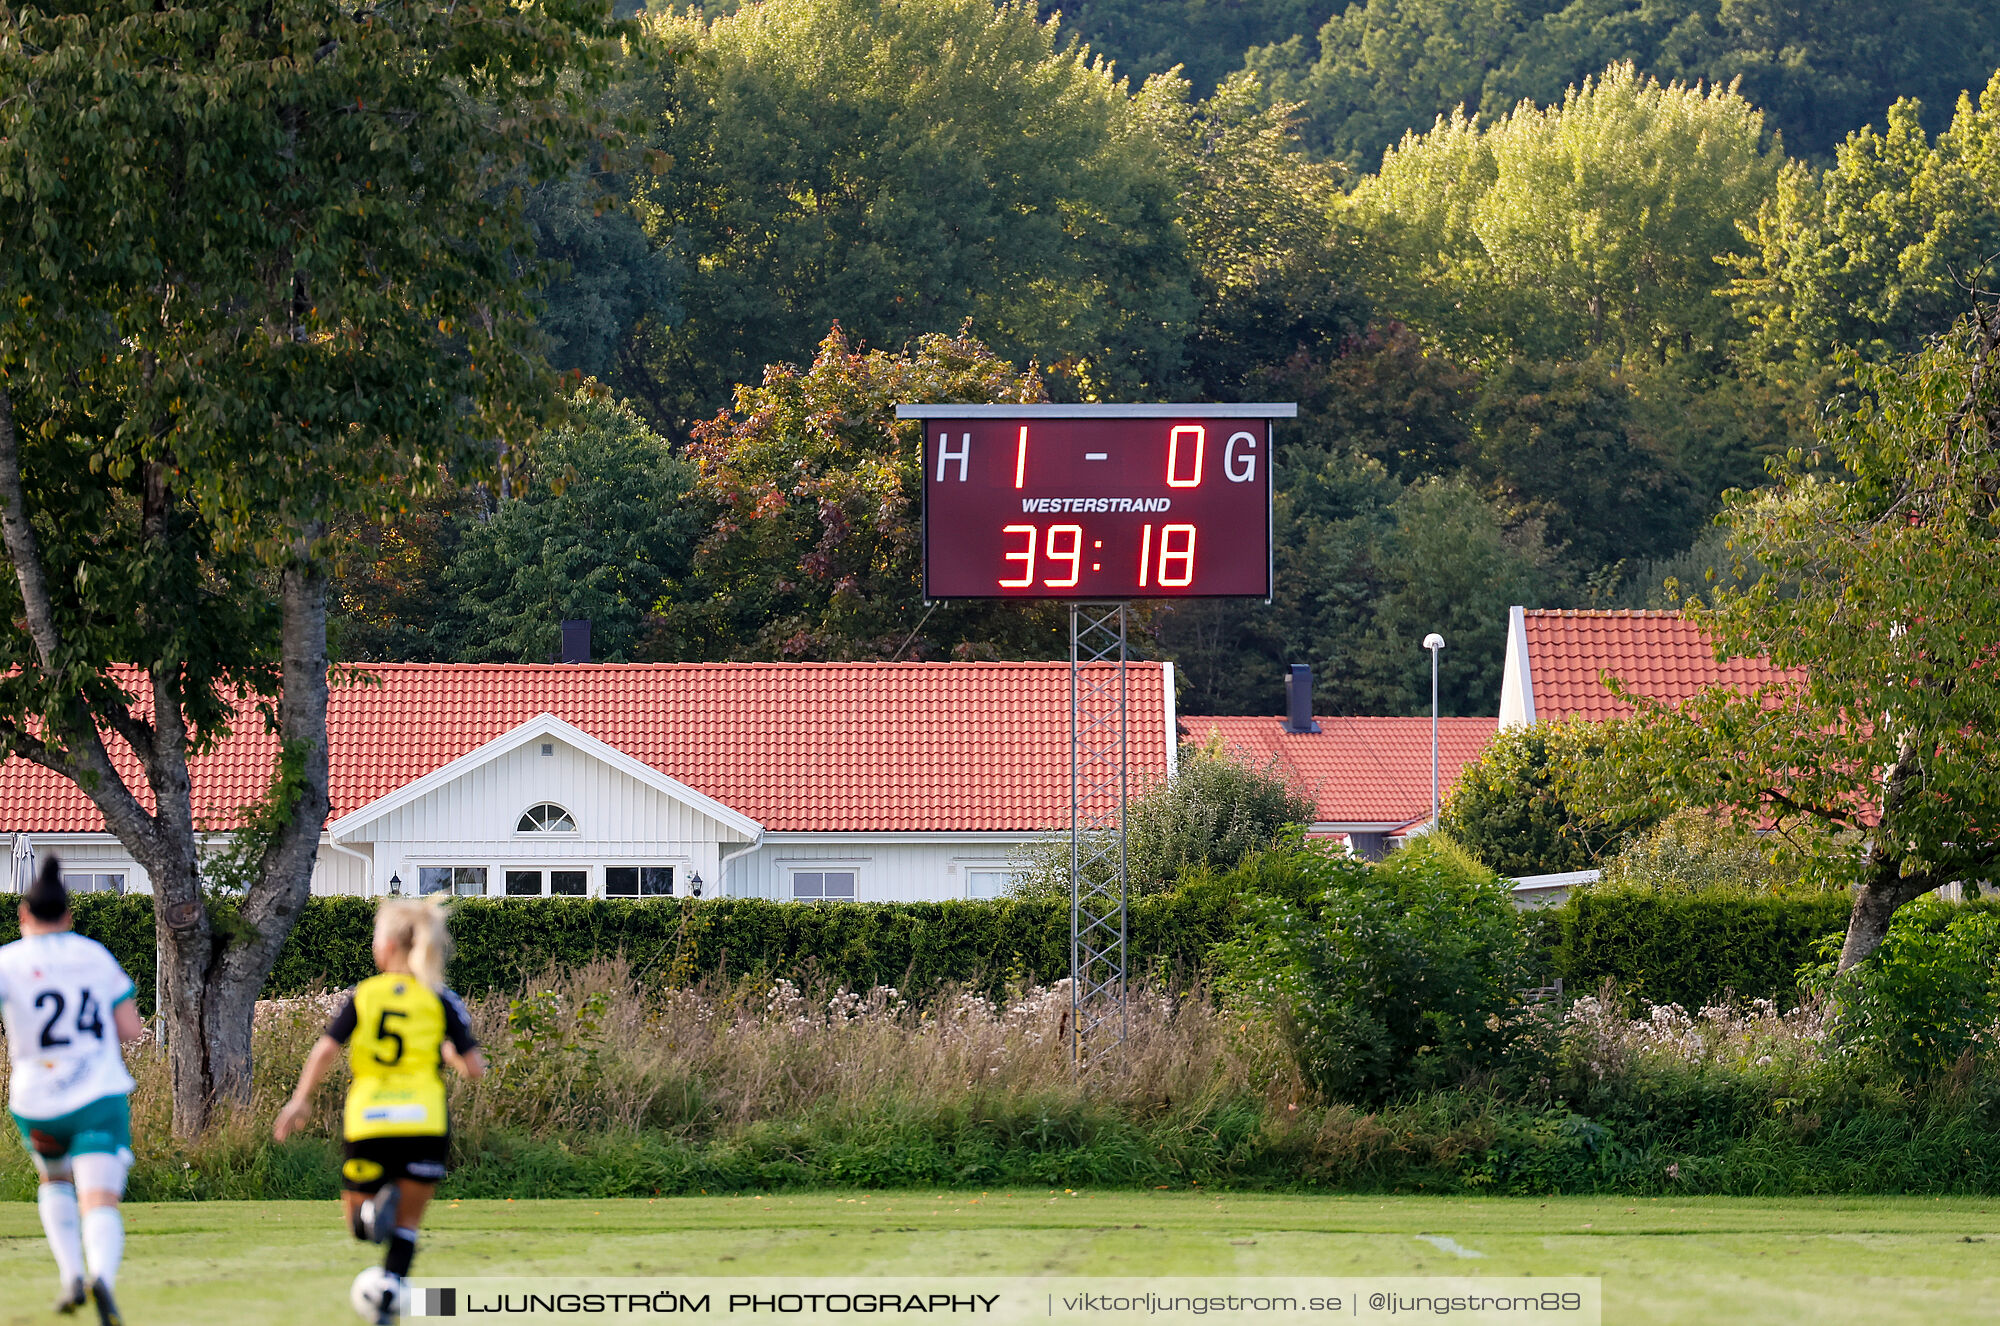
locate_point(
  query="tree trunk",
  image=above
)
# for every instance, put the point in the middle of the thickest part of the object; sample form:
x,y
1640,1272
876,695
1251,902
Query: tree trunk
x,y
284,876
184,946
1875,902
212,980
1884,887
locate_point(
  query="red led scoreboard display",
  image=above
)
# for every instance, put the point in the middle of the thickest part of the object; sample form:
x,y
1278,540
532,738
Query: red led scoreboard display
x,y
1097,502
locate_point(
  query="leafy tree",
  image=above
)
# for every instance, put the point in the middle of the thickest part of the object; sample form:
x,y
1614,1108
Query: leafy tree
x,y
901,167
1388,397
1691,575
1383,68
612,275
1513,810
600,526
285,291
1370,419
1449,566
1365,571
815,488
609,283
1929,997
1403,977
1206,38
1690,852
1213,815
387,593
1379,69
1700,429
1879,252
1331,516
1875,758
1592,224
1559,443
1275,269
1823,71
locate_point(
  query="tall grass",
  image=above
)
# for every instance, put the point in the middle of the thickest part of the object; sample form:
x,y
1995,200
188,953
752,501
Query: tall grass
x,y
606,1085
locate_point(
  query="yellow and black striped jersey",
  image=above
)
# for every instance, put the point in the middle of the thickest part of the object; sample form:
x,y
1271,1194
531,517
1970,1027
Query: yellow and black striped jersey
x,y
395,1027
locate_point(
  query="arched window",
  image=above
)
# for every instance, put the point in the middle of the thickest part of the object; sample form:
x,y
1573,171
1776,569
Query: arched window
x,y
546,818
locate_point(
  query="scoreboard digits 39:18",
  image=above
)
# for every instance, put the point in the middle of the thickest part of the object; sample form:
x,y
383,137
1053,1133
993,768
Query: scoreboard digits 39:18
x,y
1097,502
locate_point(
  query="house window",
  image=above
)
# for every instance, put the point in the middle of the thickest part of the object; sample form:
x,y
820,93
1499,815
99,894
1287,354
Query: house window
x,y
823,885
463,881
84,882
546,818
988,883
562,883
638,881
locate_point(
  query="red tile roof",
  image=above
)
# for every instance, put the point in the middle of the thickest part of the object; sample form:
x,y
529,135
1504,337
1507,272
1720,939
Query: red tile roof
x,y
1660,655
898,747
1357,770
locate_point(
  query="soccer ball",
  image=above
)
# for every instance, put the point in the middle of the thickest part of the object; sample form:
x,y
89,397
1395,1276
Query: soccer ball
x,y
375,1290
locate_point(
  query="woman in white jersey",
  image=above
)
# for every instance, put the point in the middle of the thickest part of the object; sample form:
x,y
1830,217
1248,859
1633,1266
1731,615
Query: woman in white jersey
x,y
68,1006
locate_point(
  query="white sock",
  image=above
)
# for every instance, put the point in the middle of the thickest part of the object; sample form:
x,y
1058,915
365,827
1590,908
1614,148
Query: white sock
x,y
104,1243
59,1221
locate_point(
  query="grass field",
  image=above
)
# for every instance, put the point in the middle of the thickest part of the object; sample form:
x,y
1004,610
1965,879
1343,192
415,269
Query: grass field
x,y
1823,1260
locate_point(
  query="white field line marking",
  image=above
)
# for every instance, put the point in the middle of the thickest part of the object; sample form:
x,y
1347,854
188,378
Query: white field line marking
x,y
1445,1243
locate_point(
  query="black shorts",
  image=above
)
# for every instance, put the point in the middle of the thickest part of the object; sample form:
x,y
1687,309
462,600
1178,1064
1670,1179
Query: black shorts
x,y
374,1161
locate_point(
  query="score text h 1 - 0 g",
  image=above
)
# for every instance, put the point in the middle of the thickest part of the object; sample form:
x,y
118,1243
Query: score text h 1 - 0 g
x,y
1101,503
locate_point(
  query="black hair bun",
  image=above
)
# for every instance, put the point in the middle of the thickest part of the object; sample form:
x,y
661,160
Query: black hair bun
x,y
46,898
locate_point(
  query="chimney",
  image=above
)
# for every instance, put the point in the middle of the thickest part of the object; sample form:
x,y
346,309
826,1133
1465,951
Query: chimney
x,y
1299,699
576,641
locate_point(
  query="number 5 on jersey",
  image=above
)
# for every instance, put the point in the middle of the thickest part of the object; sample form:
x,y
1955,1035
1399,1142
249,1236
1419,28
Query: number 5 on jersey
x,y
382,1033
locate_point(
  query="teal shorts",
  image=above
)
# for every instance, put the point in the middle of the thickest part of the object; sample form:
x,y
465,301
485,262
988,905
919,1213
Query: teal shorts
x,y
104,1125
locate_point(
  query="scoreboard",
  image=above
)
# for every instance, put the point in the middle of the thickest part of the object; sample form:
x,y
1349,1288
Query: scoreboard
x,y
1101,502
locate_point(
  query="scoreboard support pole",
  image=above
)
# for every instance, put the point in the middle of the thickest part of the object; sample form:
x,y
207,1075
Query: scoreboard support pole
x,y
1099,781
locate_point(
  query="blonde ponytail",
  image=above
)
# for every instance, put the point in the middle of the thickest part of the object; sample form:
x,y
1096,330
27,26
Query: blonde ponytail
x,y
416,929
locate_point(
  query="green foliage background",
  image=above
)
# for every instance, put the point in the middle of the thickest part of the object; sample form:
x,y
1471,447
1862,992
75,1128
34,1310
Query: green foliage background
x,y
1509,807
1388,980
1533,345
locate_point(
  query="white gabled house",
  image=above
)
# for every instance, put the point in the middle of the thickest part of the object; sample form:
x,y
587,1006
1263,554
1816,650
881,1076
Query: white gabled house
x,y
545,808
896,782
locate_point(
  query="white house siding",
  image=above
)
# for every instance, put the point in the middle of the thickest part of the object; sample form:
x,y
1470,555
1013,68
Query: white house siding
x,y
95,853
889,867
334,872
342,874
470,821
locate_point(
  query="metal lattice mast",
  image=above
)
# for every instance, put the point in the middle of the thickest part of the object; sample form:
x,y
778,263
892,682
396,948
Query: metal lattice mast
x,y
1098,782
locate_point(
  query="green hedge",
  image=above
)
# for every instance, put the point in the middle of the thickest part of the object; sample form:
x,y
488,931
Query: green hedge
x,y
1691,949
1663,948
913,946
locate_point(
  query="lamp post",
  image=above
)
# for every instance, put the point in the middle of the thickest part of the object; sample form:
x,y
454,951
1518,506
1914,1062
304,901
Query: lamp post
x,y
1434,642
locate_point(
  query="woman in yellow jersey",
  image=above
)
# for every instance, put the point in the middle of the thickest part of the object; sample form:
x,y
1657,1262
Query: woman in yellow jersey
x,y
398,1029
